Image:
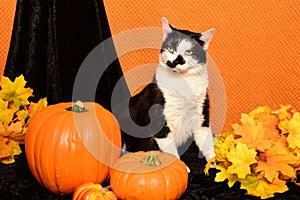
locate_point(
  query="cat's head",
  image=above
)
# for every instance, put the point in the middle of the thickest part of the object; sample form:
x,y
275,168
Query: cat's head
x,y
184,51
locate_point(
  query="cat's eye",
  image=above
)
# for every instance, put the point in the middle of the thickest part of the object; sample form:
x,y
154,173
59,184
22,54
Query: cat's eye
x,y
170,49
188,52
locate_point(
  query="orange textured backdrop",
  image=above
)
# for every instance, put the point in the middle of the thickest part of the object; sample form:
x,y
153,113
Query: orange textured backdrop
x,y
256,48
7,13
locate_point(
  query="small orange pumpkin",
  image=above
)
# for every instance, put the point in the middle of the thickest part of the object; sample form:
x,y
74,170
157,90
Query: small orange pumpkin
x,y
149,175
91,191
67,146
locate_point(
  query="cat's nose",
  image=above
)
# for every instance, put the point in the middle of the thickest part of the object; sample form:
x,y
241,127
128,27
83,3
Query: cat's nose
x,y
178,61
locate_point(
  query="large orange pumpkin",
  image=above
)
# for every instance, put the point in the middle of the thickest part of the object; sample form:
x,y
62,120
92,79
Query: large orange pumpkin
x,y
66,148
148,176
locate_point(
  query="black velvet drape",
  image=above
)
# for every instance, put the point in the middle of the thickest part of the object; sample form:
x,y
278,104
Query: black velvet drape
x,y
51,39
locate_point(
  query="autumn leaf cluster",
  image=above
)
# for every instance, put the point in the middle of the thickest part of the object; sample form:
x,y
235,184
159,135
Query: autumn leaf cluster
x,y
15,114
262,152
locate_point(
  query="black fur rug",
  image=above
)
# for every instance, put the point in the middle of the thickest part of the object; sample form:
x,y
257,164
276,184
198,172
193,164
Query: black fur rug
x,y
17,183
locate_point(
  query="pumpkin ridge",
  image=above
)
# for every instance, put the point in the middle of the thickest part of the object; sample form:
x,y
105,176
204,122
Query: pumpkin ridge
x,y
88,156
117,144
55,131
125,180
132,183
165,178
31,149
176,176
107,117
94,114
58,133
41,141
104,130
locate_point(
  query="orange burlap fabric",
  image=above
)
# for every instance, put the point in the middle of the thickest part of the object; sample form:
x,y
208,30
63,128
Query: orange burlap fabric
x,y
256,49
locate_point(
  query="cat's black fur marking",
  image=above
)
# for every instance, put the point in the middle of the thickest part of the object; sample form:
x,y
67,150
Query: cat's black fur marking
x,y
176,36
178,61
205,112
139,106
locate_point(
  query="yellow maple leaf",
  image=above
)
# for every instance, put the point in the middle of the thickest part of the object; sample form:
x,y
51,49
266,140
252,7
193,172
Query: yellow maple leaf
x,y
259,110
16,132
284,114
269,123
283,111
258,186
16,150
224,174
35,107
22,116
241,159
6,113
223,147
293,137
208,165
15,91
280,147
5,149
277,159
252,133
12,129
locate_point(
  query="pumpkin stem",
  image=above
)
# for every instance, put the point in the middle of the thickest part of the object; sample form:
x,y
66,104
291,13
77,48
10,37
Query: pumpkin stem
x,y
77,107
151,159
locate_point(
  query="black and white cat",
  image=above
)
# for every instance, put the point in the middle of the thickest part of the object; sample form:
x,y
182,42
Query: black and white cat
x,y
175,106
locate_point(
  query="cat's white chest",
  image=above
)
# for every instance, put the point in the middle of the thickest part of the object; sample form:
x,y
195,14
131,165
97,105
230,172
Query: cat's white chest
x,y
184,96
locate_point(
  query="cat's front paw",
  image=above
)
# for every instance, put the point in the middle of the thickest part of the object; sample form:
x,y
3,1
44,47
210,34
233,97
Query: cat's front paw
x,y
210,155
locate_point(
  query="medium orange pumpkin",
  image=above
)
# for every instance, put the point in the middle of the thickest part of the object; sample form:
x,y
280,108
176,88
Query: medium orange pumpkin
x,y
91,191
148,176
66,148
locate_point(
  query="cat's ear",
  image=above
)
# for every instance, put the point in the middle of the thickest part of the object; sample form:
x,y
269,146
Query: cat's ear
x,y
206,37
166,27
